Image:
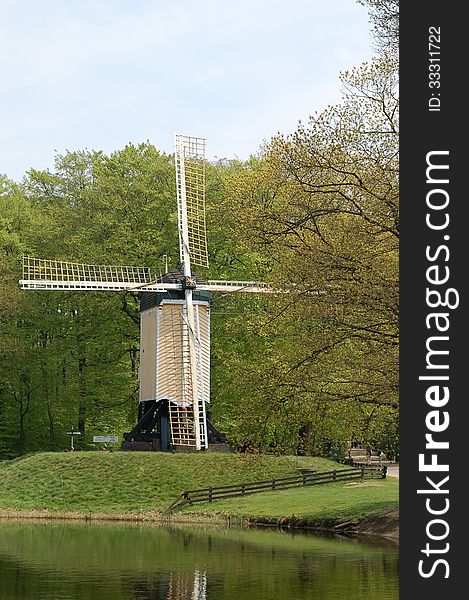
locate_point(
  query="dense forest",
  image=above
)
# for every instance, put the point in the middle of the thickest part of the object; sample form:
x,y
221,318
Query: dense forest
x,y
314,212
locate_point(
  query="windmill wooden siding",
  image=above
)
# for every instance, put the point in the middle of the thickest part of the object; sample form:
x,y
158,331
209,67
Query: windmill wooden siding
x,y
164,362
147,374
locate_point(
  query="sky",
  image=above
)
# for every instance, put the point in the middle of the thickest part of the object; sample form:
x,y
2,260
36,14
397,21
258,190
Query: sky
x,y
98,74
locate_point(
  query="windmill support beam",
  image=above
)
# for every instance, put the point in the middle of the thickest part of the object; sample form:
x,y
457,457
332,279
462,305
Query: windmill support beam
x,y
193,352
252,287
111,286
97,286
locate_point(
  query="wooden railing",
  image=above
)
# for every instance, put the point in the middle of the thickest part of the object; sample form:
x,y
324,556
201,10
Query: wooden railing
x,y
210,494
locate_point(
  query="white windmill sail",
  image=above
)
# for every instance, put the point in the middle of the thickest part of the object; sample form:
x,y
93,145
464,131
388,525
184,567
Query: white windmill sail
x,y
50,274
189,155
46,274
190,181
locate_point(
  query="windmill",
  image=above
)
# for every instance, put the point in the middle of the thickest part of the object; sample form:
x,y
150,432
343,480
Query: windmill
x,y
174,318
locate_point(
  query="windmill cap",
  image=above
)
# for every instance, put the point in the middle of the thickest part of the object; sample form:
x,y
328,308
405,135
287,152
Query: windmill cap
x,y
175,276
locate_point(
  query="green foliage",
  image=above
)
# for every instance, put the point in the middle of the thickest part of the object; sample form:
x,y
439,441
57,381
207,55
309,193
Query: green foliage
x,y
320,211
72,358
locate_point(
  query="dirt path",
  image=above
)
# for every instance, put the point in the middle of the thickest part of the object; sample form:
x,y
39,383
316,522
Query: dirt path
x,y
393,471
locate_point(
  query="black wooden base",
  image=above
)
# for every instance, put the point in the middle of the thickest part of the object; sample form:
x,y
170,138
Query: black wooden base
x,y
152,431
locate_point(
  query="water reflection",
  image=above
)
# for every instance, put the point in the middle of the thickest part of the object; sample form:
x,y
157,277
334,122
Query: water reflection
x,y
172,586
57,561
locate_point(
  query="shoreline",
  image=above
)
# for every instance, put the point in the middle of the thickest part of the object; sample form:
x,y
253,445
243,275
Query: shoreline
x,y
382,525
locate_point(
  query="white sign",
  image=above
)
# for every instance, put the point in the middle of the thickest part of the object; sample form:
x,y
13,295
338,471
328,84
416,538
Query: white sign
x,y
105,438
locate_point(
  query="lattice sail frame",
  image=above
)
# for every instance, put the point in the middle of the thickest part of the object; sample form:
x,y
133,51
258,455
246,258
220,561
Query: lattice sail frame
x,y
46,274
59,270
190,184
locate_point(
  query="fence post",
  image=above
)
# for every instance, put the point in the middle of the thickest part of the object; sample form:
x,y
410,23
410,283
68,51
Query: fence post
x,y
385,470
333,475
304,478
363,472
210,494
273,484
243,489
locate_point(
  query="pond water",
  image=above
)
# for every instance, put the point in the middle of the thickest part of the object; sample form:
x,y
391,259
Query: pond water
x,y
101,561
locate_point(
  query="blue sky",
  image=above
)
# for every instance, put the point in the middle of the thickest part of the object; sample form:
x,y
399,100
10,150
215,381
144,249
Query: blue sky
x,y
98,74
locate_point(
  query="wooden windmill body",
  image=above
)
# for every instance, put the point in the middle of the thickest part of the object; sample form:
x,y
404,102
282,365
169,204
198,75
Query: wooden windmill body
x,y
174,372
165,368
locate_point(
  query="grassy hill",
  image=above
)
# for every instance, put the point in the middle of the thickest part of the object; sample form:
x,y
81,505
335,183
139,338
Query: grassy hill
x,y
131,481
140,484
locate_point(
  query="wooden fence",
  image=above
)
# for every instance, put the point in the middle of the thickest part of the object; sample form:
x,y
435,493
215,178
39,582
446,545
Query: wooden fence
x,y
305,479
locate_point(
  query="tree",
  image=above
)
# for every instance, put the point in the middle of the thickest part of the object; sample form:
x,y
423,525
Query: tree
x,y
70,358
384,16
323,203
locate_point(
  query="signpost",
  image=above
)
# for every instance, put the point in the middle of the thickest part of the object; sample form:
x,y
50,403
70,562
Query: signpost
x,y
71,434
105,439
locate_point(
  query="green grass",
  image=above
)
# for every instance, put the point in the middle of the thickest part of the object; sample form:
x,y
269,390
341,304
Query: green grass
x,y
142,484
316,505
116,482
